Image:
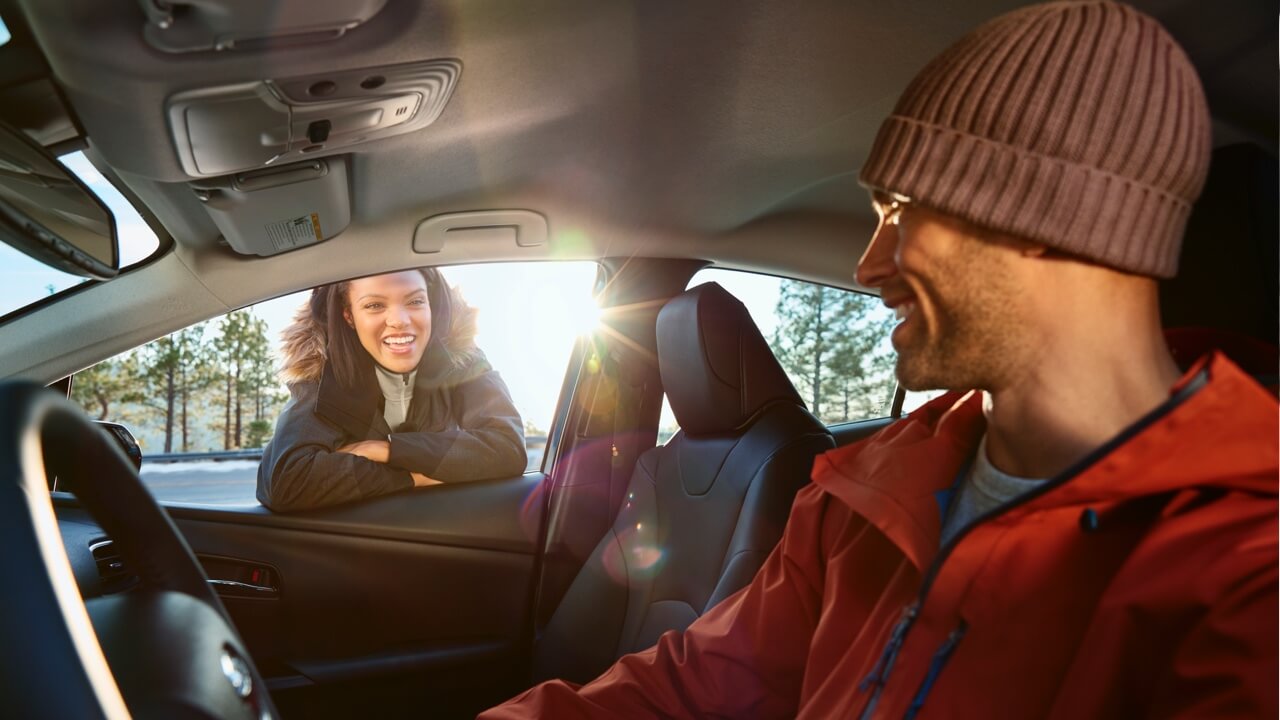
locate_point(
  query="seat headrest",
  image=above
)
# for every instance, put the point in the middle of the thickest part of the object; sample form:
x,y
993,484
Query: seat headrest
x,y
717,369
1256,357
1227,278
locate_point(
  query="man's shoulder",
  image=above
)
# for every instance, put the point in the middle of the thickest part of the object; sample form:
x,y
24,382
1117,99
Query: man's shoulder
x,y
1204,546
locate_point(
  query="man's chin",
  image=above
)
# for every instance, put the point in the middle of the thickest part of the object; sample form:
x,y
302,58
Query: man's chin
x,y
915,376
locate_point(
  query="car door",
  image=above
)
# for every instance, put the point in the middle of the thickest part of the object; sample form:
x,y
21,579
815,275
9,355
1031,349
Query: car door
x,y
416,603
392,606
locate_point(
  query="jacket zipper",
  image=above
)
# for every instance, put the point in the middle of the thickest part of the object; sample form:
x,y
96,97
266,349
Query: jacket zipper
x,y
940,658
880,673
879,676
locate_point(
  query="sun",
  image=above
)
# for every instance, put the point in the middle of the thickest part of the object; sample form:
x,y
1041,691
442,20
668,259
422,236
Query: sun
x,y
583,318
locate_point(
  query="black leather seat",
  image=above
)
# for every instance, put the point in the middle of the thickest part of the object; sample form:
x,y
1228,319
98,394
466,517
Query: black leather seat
x,y
702,512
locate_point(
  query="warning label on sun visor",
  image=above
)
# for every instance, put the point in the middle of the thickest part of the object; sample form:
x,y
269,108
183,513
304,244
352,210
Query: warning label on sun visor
x,y
291,233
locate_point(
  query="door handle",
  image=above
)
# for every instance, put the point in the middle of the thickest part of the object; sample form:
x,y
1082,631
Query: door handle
x,y
235,588
233,577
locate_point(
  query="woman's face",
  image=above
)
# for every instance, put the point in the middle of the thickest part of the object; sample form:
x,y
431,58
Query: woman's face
x,y
392,317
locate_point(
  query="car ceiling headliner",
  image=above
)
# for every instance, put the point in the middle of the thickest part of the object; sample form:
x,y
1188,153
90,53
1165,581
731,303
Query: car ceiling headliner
x,y
693,117
722,129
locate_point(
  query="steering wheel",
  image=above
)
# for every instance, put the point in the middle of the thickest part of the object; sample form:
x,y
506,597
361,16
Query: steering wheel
x,y
166,648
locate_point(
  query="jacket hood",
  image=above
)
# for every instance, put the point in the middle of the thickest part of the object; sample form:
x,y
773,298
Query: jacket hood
x,y
1217,431
304,346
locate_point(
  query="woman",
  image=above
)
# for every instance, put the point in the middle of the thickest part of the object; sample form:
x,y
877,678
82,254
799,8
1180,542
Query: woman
x,y
388,392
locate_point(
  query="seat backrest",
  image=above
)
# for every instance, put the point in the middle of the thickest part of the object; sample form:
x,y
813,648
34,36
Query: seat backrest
x,y
1225,295
701,512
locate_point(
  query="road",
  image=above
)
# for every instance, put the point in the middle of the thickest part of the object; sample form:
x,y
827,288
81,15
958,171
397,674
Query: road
x,y
203,482
227,483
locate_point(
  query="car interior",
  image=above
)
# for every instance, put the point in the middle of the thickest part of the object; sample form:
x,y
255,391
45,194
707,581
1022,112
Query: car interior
x,y
277,145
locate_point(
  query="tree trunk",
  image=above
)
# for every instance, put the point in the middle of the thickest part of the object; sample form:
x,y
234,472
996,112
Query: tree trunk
x,y
226,427
818,328
170,393
239,412
102,400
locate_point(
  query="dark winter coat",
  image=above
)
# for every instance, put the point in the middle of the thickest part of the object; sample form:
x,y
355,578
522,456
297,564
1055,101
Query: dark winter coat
x,y
461,425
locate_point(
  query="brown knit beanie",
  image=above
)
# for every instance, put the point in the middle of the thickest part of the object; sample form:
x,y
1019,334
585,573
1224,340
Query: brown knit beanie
x,y
1079,125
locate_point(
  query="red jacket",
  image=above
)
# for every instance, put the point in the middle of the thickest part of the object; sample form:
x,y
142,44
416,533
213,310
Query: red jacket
x,y
1140,583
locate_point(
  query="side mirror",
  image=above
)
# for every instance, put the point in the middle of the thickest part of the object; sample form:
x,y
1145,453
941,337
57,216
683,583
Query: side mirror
x,y
125,438
47,213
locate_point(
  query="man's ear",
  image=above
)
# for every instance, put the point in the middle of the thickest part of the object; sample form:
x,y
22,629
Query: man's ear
x,y
346,315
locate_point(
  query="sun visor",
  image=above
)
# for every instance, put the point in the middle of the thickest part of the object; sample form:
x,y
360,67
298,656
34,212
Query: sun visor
x,y
234,128
267,212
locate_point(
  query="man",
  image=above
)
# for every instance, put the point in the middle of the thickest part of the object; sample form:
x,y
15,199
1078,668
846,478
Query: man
x,y
1093,534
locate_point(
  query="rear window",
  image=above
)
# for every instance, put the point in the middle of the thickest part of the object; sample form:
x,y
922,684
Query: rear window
x,y
833,343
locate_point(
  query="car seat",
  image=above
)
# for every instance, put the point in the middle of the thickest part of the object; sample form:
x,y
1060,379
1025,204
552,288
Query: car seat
x,y
702,512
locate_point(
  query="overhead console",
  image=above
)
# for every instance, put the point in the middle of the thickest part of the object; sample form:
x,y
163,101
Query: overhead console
x,y
233,128
270,155
184,26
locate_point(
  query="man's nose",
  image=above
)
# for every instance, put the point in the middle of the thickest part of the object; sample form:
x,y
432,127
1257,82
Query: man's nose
x,y
878,262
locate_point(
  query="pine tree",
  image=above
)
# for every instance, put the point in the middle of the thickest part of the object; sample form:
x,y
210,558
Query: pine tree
x,y
230,347
804,336
831,343
169,371
259,382
95,389
196,373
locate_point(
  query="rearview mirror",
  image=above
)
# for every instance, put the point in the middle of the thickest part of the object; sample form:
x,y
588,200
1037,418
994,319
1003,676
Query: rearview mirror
x,y
47,213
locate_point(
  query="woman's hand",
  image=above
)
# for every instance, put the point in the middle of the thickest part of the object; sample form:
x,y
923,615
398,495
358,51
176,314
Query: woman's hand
x,y
420,480
376,450
380,451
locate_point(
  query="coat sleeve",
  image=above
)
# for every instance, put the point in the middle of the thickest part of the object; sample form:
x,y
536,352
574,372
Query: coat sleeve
x,y
1226,666
744,658
488,443
301,471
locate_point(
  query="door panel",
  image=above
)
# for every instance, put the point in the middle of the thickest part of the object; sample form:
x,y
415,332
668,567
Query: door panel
x,y
412,601
848,433
490,514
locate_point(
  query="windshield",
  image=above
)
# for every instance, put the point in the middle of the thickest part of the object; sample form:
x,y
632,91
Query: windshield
x,y
24,280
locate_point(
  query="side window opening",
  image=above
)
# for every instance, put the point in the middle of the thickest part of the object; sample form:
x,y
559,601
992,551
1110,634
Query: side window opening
x,y
203,401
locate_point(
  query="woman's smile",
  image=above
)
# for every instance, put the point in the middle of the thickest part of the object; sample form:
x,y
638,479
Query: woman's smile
x,y
400,344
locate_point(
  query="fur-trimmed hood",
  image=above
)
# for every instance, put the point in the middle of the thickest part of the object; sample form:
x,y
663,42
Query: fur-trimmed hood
x,y
304,344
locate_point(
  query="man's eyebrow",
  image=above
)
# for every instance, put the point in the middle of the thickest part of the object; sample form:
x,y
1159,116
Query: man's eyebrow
x,y
370,295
